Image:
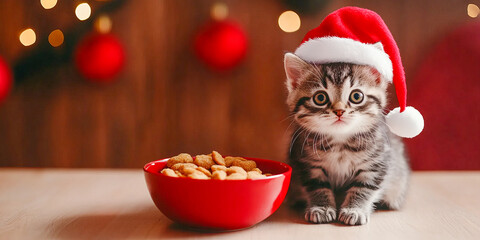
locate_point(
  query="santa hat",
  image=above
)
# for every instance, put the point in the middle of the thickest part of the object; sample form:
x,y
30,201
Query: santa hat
x,y
349,35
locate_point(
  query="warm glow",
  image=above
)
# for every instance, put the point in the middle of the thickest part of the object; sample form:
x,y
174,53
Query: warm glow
x,y
103,24
289,21
28,37
55,38
219,11
83,11
48,4
473,10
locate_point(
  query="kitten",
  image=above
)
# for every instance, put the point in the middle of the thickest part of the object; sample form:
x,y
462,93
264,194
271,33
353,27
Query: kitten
x,y
345,160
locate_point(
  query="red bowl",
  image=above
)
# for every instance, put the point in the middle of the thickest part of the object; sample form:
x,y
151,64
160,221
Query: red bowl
x,y
218,204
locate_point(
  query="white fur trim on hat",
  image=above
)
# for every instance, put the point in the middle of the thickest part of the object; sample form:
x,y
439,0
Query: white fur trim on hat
x,y
407,124
335,49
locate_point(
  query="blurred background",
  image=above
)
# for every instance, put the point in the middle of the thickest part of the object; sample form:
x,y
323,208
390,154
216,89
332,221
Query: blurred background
x,y
120,83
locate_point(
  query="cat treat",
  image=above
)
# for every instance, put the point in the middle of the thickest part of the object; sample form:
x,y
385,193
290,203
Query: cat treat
x,y
169,172
219,167
204,171
205,161
180,166
220,175
217,158
181,158
248,165
212,166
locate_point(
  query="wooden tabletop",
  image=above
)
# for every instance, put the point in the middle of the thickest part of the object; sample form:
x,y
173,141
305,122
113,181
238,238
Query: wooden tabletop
x,y
114,204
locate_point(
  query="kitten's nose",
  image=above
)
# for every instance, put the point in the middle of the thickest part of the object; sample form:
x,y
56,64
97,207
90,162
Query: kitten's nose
x,y
339,112
339,108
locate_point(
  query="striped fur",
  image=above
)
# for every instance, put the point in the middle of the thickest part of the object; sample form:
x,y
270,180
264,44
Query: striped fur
x,y
342,170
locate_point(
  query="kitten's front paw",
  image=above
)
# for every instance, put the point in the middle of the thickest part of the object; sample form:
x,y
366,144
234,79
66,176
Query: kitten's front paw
x,y
353,216
320,214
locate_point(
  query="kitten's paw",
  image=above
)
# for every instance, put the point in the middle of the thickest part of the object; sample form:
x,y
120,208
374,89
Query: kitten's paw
x,y
320,214
353,216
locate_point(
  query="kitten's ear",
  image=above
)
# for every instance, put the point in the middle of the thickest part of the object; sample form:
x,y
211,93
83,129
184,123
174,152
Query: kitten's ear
x,y
376,78
379,45
376,74
294,68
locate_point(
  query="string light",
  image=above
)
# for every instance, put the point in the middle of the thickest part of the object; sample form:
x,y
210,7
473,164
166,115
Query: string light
x,y
473,10
83,11
48,4
56,38
28,37
289,21
103,24
219,11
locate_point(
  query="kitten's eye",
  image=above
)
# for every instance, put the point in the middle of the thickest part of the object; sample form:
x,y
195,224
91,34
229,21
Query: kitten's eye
x,y
356,96
321,98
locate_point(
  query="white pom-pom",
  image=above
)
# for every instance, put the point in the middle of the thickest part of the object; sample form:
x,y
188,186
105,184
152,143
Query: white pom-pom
x,y
407,124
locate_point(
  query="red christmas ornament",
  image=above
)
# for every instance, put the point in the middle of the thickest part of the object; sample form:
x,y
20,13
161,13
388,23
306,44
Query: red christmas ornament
x,y
447,89
100,57
222,45
5,80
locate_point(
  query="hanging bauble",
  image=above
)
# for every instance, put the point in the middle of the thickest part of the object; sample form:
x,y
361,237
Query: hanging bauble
x,y
100,57
446,88
222,45
5,80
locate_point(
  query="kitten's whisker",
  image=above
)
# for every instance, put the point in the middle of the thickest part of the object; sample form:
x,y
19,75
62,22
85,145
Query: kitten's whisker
x,y
330,147
324,140
288,128
300,131
289,116
321,141
382,120
295,134
305,140
294,138
315,144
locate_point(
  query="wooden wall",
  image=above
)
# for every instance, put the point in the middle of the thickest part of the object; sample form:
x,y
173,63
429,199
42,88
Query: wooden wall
x,y
165,101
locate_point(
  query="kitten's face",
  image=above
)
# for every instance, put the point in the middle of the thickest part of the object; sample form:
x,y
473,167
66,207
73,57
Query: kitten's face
x,y
334,99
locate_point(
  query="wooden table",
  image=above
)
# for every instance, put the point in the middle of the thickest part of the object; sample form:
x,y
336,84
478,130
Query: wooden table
x,y
114,204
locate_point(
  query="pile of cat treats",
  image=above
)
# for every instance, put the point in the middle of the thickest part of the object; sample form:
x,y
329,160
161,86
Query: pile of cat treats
x,y
212,166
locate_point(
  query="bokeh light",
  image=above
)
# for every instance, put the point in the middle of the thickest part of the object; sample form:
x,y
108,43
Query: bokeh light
x,y
219,11
289,21
56,38
28,37
83,11
473,10
103,24
48,4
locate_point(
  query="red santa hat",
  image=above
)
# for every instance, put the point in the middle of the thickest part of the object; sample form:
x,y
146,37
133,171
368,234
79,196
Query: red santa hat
x,y
350,35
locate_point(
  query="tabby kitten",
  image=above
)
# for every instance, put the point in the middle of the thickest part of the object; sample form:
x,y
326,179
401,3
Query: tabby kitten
x,y
345,160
